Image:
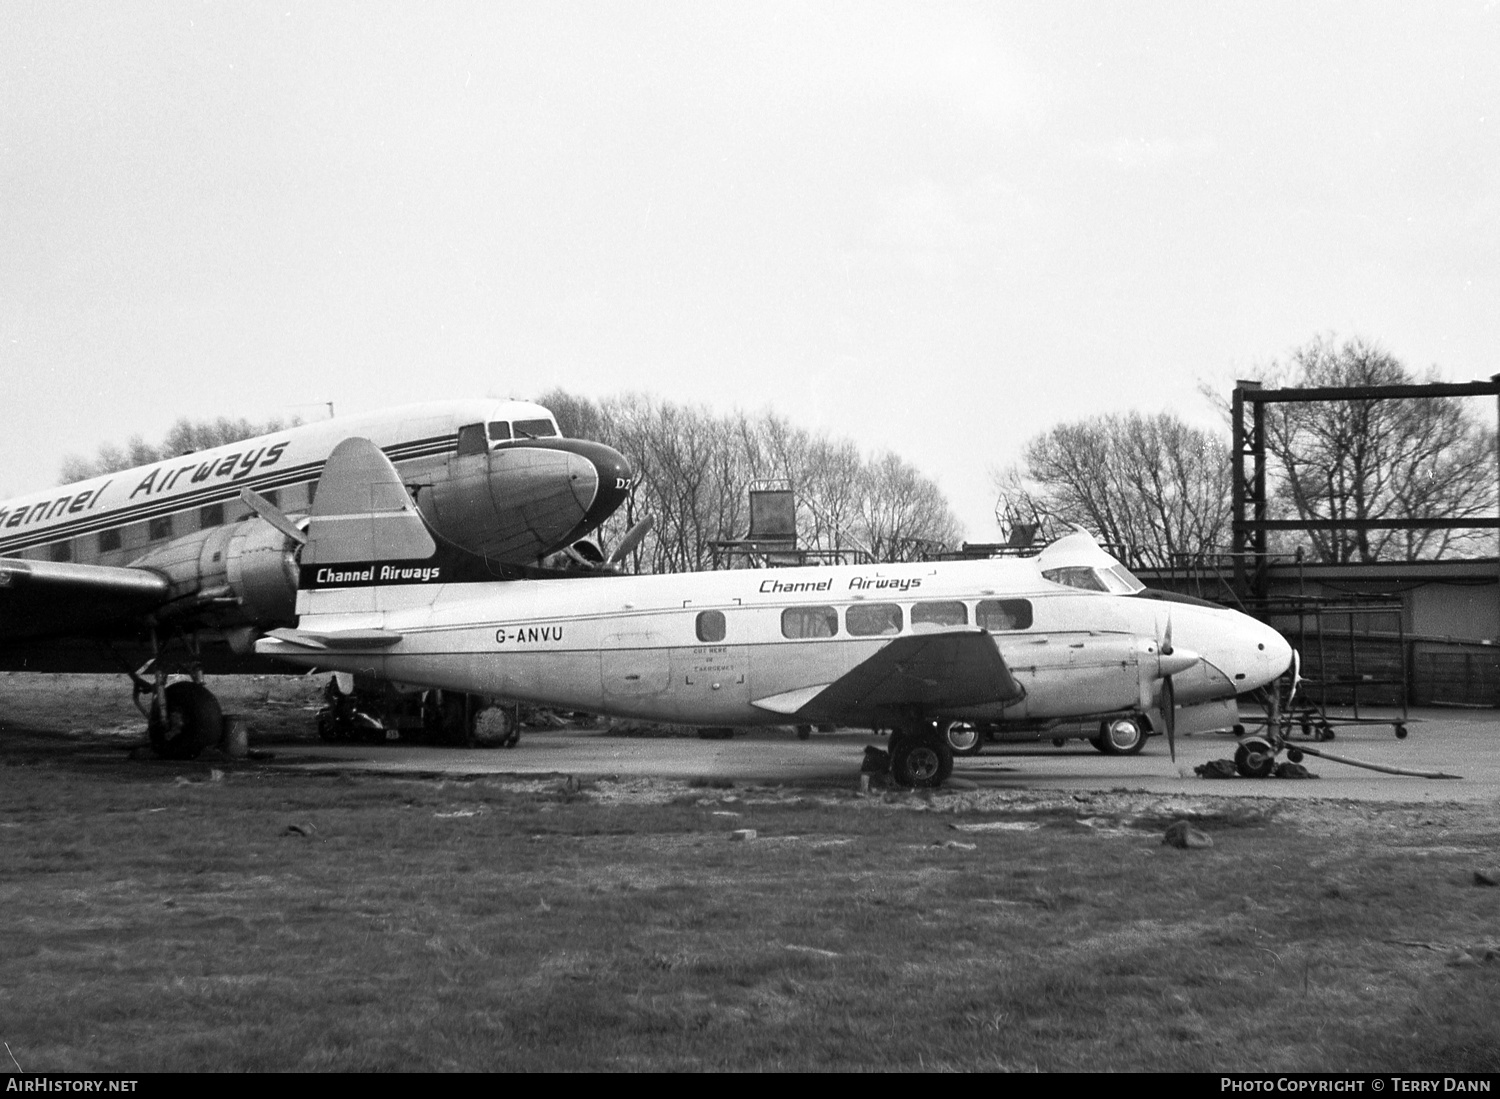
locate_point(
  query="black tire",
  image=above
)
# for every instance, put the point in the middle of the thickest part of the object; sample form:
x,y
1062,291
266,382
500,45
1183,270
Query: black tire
x,y
804,732
1124,736
923,762
1098,742
964,738
1255,759
193,722
496,727
715,733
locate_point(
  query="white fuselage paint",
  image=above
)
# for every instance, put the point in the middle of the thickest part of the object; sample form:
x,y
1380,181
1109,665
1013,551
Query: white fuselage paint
x,y
629,646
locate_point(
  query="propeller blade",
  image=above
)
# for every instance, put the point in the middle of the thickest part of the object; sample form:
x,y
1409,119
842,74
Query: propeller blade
x,y
273,515
632,539
1166,641
1169,715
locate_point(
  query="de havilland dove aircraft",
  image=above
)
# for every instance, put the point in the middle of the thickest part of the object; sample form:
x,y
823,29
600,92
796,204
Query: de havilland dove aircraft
x,y
204,546
903,646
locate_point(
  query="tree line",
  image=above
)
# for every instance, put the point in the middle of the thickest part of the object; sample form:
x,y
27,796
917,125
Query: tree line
x,y
694,468
1160,490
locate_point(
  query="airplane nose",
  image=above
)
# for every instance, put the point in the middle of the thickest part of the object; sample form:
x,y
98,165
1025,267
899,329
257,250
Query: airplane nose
x,y
613,477
1278,653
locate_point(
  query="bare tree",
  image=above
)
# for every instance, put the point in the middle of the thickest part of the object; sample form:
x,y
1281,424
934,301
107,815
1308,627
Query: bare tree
x,y
693,469
1423,458
902,514
1152,486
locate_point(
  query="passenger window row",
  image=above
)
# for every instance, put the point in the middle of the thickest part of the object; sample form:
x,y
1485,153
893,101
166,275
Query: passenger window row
x,y
141,535
882,619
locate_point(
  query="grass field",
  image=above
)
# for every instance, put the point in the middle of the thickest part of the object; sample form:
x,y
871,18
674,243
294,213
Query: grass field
x,y
231,916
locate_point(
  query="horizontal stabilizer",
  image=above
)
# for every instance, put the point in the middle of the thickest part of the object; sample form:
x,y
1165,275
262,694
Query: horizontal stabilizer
x,y
337,639
929,672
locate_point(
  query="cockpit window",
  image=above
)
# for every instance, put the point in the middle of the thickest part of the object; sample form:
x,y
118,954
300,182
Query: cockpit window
x,y
471,439
499,431
1117,579
1076,576
535,429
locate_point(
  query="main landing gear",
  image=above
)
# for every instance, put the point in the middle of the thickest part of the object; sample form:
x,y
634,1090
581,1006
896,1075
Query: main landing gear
x,y
920,755
182,718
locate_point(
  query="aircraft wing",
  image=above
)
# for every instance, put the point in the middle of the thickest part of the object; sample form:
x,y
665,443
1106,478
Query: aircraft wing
x,y
929,672
48,598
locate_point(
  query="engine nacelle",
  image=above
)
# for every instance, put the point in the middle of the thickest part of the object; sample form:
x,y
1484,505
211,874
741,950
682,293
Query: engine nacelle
x,y
241,574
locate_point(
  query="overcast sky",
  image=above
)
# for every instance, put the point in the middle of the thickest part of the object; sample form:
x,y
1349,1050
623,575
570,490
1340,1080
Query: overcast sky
x,y
938,228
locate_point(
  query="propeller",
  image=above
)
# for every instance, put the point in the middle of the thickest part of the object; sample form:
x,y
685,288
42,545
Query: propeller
x,y
585,555
1169,696
631,540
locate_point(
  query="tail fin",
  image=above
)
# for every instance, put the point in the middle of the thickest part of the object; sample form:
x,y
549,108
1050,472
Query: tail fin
x,y
364,533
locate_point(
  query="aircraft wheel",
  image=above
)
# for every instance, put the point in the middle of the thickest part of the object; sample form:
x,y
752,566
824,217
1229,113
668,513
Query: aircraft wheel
x,y
1295,755
496,727
964,738
1400,732
924,762
193,722
804,732
1255,759
1058,742
1098,741
715,733
1124,736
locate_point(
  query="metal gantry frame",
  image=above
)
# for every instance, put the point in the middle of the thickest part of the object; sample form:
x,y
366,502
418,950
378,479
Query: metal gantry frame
x,y
1252,521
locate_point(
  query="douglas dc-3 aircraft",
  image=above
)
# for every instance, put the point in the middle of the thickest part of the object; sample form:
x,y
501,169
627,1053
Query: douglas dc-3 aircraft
x,y
906,647
205,545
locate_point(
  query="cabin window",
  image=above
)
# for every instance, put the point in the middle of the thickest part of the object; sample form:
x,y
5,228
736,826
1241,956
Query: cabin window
x,y
160,528
802,622
711,626
211,516
1003,614
932,616
62,551
472,440
873,619
499,431
535,429
109,540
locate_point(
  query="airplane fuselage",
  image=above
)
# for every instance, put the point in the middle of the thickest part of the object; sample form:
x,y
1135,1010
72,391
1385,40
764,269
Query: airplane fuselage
x,y
752,646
